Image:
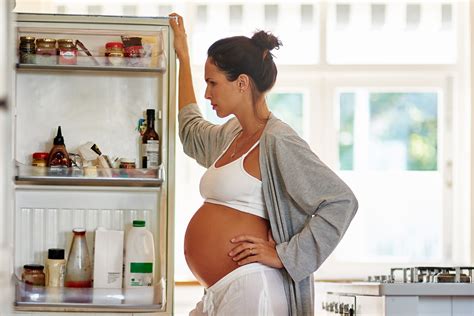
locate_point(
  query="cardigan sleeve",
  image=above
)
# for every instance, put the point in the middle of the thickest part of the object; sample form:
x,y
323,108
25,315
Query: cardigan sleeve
x,y
320,196
201,139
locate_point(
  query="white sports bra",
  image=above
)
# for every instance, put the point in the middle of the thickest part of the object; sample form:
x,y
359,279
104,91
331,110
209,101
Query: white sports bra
x,y
232,186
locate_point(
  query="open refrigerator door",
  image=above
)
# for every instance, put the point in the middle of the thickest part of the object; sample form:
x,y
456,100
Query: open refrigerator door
x,y
96,82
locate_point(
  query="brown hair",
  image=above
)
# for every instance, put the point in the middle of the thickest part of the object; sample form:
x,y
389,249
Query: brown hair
x,y
250,56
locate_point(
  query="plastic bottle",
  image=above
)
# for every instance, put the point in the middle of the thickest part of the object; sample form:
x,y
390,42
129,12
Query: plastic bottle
x,y
58,156
139,256
55,268
78,268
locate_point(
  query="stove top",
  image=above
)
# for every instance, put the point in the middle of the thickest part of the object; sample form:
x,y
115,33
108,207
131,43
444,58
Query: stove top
x,y
426,274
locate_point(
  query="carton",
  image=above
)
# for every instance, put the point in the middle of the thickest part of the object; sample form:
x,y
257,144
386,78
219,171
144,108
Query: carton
x,y
108,258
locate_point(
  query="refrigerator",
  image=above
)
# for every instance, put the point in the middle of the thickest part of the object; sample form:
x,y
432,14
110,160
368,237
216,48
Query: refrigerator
x,y
101,99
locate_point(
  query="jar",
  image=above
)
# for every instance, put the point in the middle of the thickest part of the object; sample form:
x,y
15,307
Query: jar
x,y
126,163
40,159
55,268
46,51
27,50
134,54
114,53
67,52
33,274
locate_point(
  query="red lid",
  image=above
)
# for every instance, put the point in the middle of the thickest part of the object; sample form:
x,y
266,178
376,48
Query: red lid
x,y
40,155
114,45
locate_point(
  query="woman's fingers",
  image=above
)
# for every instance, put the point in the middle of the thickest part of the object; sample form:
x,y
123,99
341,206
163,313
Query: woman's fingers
x,y
242,247
246,238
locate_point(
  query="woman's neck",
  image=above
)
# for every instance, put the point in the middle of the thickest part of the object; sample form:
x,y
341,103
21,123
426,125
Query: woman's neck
x,y
253,121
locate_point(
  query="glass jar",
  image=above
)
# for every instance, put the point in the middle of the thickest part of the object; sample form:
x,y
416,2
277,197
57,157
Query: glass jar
x,y
46,51
67,52
114,53
126,163
27,50
33,274
40,159
134,54
78,267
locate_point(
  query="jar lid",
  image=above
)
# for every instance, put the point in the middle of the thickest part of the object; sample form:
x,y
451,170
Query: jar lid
x,y
114,45
138,223
127,160
65,40
27,38
33,266
56,253
46,40
40,155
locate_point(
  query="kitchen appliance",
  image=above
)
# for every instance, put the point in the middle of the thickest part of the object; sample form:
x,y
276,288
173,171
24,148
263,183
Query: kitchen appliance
x,y
102,100
411,291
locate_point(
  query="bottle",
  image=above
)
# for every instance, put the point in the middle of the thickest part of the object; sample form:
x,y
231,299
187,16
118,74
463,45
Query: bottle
x,y
58,156
55,267
150,143
78,268
139,256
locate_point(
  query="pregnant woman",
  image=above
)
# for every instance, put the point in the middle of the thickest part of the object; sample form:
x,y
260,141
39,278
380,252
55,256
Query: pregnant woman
x,y
272,212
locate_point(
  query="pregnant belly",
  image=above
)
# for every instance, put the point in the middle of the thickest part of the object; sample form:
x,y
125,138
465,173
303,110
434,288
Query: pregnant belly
x,y
207,240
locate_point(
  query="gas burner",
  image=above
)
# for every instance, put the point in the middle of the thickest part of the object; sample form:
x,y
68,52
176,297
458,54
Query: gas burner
x,y
426,274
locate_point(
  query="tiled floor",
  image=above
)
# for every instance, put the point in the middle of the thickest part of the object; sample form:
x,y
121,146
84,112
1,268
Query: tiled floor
x,y
185,298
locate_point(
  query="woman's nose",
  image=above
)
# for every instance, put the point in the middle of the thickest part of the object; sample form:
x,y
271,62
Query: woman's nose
x,y
207,95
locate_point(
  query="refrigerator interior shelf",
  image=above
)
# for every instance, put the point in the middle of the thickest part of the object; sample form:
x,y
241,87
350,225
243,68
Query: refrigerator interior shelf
x,y
143,64
96,177
30,298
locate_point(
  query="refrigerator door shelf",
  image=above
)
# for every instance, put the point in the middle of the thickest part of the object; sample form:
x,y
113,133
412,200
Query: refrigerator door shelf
x,y
144,64
51,299
99,177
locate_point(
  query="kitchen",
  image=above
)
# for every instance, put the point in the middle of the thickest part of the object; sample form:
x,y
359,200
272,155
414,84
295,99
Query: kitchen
x,y
453,224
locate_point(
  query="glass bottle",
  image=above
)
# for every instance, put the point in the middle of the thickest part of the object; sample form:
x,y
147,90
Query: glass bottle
x,y
150,143
78,268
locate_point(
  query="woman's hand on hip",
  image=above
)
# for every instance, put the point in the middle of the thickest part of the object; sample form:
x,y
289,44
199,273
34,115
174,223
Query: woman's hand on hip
x,y
180,37
253,249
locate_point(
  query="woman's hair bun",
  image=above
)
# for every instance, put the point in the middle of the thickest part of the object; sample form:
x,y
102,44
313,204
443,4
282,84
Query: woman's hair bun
x,y
266,40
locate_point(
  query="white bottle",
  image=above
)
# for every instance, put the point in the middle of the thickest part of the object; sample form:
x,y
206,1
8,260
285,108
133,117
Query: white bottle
x,y
139,256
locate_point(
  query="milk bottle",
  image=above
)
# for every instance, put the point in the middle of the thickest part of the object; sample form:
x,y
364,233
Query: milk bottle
x,y
139,256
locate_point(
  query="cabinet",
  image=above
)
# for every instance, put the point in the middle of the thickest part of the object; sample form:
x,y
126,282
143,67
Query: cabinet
x,y
99,100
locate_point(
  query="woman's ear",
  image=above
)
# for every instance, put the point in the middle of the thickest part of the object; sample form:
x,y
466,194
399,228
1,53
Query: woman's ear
x,y
243,82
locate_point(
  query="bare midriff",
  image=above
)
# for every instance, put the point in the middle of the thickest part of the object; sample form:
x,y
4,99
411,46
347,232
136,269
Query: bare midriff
x,y
207,240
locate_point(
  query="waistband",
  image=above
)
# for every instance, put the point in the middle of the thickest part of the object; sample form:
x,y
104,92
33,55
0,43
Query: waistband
x,y
237,273
208,298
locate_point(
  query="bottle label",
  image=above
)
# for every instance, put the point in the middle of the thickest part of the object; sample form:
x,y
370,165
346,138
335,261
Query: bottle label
x,y
141,274
151,152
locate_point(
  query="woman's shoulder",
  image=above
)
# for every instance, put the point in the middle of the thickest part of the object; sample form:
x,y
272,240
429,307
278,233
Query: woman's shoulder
x,y
278,131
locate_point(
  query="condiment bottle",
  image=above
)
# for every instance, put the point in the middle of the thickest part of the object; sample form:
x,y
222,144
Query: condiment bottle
x,y
78,268
40,159
33,274
58,156
55,267
150,143
139,256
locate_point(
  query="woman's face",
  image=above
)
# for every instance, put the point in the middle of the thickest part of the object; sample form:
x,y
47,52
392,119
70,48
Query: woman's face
x,y
224,94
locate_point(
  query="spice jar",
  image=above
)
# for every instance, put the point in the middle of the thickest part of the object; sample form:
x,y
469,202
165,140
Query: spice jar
x,y
33,274
134,54
46,51
114,53
67,52
27,50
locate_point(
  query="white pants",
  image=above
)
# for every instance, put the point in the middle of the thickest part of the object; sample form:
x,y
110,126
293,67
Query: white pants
x,y
251,290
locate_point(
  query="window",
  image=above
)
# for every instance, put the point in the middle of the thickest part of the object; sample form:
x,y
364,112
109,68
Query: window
x,y
378,15
413,16
271,15
235,14
307,15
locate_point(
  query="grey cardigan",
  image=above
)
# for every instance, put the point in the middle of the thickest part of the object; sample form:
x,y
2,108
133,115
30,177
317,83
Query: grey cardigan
x,y
309,206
